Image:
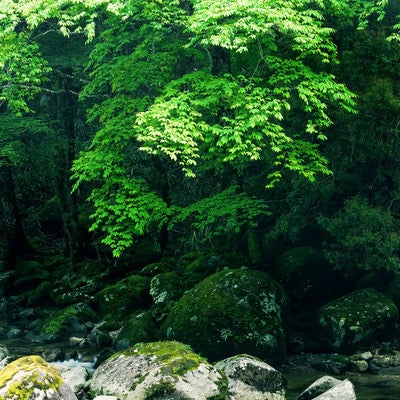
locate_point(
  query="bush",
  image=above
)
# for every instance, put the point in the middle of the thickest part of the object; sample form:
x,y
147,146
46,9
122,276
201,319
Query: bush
x,y
364,237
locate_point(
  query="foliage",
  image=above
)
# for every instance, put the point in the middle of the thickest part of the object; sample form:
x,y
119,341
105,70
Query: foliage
x,y
221,214
364,237
182,90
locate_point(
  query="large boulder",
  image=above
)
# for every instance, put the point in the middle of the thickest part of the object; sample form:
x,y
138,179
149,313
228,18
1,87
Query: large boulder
x,y
252,379
161,370
329,388
356,320
32,378
231,312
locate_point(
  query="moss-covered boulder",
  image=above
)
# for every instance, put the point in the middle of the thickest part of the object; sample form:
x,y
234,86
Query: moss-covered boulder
x,y
136,328
69,321
121,298
356,320
158,370
232,312
31,378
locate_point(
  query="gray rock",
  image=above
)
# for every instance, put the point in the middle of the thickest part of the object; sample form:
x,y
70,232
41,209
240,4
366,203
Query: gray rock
x,y
252,379
329,388
162,370
75,377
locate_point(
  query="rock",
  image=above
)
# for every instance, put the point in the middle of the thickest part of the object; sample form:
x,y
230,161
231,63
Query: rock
x,y
329,388
75,377
69,321
196,266
165,288
4,356
336,364
252,379
162,370
31,377
356,320
106,398
128,294
231,312
136,328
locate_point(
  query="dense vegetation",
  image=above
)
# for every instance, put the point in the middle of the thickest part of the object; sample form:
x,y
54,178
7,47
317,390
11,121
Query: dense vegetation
x,y
245,127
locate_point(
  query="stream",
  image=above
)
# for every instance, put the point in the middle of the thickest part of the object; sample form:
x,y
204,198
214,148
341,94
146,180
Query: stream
x,y
367,386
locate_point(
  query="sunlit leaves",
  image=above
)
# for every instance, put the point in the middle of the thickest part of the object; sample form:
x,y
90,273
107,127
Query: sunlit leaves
x,y
235,25
123,210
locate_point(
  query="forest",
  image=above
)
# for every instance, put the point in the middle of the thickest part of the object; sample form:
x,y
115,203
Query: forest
x,y
160,143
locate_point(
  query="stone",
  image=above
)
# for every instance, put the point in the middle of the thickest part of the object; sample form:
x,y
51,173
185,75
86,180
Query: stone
x,y
136,328
75,377
329,388
252,379
162,370
69,321
4,356
32,378
232,312
126,295
356,320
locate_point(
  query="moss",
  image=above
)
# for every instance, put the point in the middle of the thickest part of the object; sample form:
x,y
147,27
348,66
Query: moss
x,y
161,388
356,319
231,312
127,294
177,358
38,375
138,327
57,322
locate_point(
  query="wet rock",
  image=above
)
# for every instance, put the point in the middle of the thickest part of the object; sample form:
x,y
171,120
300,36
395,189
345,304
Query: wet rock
x,y
232,312
329,388
252,379
31,377
162,370
356,320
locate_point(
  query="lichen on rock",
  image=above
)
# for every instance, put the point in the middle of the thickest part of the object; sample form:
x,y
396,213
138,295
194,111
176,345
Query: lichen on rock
x,y
162,370
31,378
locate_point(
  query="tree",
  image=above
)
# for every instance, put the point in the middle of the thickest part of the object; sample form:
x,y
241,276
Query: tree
x,y
210,87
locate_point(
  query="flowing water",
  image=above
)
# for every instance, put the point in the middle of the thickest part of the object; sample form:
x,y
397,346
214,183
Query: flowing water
x,y
367,386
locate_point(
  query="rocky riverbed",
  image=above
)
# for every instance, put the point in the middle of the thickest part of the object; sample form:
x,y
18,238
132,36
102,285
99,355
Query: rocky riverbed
x,y
375,374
